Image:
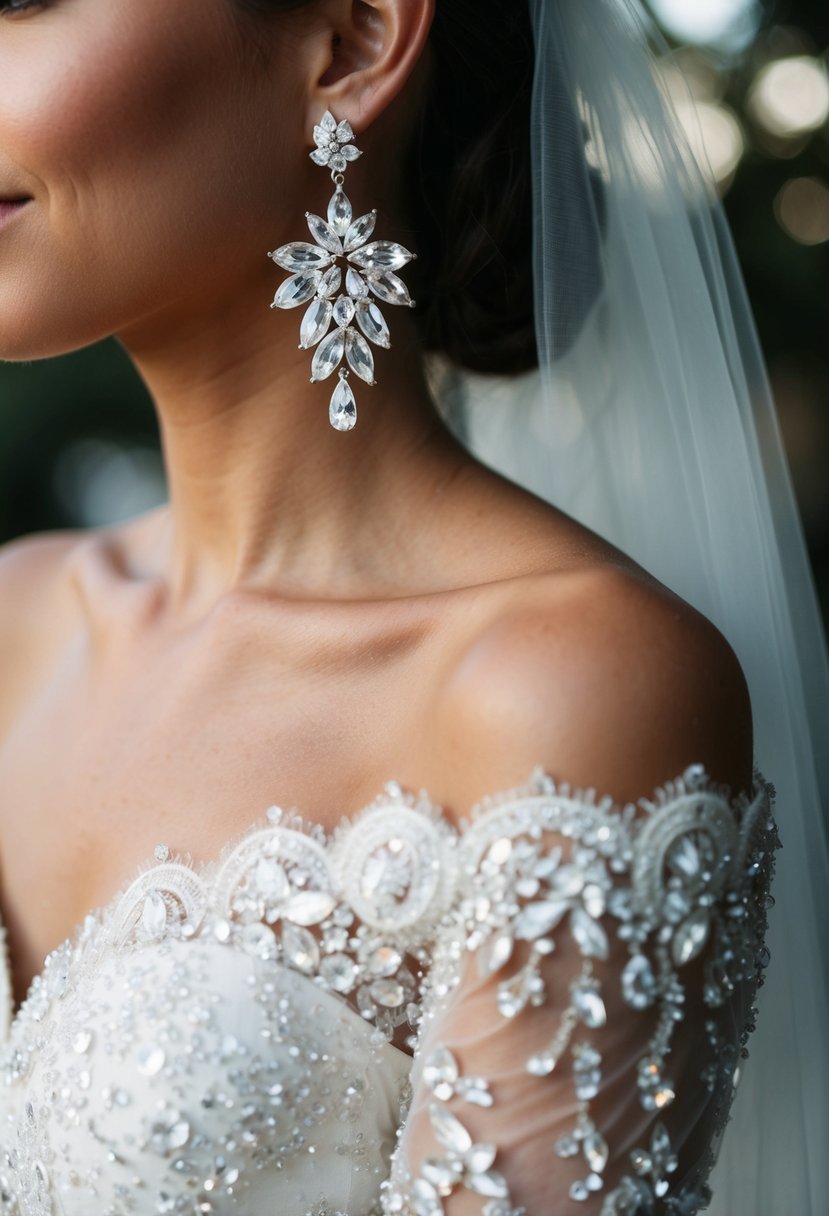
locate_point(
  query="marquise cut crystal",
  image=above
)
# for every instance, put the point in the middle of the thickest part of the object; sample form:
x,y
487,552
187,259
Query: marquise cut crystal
x,y
317,278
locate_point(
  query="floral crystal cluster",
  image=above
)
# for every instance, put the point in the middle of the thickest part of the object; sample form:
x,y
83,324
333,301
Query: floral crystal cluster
x,y
341,256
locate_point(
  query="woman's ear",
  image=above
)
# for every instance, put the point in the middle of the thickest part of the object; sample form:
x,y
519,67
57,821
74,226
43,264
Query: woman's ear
x,y
373,48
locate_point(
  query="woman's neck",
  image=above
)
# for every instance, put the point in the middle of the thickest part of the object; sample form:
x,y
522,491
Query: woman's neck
x,y
263,491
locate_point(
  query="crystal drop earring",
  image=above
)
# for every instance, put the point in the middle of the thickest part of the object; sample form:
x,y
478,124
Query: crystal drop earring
x,y
316,276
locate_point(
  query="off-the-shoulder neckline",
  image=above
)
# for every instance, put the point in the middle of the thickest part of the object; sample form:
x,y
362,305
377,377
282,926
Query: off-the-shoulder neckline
x,y
540,784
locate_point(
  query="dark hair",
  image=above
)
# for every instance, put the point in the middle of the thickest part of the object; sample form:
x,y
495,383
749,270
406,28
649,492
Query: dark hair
x,y
470,186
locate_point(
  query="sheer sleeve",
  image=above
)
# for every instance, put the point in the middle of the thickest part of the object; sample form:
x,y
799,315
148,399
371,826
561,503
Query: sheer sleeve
x,y
588,1004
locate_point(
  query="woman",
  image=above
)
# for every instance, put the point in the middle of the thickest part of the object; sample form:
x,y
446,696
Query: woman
x,y
449,976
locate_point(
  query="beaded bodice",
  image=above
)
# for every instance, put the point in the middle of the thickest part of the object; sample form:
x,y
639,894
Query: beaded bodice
x,y
541,1008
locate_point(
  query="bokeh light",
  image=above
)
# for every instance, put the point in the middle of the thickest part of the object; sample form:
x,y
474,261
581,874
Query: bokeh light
x,y
802,209
790,96
727,23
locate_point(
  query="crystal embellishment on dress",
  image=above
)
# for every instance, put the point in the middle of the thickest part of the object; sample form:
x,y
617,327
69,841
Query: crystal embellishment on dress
x,y
316,279
224,1036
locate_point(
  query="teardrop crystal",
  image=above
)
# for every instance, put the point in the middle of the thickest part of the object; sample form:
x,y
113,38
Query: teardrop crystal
x,y
323,233
355,284
296,290
315,322
350,152
342,412
300,255
344,311
691,936
494,953
358,353
360,231
328,122
327,355
373,323
381,255
329,284
596,1152
389,287
340,211
344,132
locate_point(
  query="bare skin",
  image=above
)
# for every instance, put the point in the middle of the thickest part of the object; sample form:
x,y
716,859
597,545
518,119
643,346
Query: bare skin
x,y
312,613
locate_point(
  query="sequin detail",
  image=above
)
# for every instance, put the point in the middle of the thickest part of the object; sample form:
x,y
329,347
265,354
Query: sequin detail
x,y
240,1035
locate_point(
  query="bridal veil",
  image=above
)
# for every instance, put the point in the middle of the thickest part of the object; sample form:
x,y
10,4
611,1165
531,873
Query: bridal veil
x,y
650,420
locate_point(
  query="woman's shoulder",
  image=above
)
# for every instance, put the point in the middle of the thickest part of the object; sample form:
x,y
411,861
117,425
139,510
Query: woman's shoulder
x,y
602,675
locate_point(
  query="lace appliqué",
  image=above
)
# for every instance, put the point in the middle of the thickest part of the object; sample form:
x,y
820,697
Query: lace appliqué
x,y
688,878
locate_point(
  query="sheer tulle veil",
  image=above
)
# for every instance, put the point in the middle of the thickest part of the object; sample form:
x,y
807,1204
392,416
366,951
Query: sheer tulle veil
x,y
650,420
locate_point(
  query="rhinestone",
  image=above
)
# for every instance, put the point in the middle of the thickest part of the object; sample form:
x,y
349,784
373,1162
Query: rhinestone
x,y
355,285
440,1072
388,993
150,1059
588,1002
329,284
339,212
690,936
315,322
324,234
541,1064
327,355
359,231
539,918
384,961
339,971
300,946
344,311
301,256
389,287
82,1041
296,290
361,361
342,411
450,1131
381,256
309,907
639,982
589,934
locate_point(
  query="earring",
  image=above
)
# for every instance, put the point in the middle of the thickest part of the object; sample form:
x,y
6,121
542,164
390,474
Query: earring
x,y
316,277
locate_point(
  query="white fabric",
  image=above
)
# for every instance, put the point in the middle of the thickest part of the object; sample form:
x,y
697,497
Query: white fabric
x,y
221,1037
651,421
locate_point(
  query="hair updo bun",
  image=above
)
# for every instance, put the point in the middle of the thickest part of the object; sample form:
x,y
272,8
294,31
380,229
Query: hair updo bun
x,y
469,182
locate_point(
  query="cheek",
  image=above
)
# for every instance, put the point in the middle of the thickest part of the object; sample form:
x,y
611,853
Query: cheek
x,y
157,170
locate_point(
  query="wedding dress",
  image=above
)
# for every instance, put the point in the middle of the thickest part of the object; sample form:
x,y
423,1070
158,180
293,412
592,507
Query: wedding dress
x,y
545,1007
540,1007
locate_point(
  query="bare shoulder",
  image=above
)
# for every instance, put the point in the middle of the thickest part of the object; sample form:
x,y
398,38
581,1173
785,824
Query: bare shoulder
x,y
35,600
604,677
